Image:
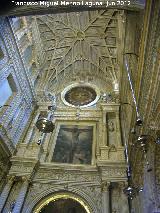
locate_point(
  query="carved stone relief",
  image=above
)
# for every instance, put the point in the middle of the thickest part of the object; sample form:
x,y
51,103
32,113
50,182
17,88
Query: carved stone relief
x,y
43,190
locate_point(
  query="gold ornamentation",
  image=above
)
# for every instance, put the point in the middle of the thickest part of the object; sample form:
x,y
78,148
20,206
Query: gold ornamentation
x,y
80,96
62,196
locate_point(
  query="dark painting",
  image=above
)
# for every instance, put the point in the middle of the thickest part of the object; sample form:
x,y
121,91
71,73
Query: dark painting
x,y
63,206
74,145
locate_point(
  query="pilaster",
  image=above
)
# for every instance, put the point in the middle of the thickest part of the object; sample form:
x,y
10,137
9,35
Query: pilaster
x,y
21,196
118,129
105,196
5,193
104,129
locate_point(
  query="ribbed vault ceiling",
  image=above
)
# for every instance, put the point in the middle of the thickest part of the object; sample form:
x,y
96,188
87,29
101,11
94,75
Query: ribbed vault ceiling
x,y
81,44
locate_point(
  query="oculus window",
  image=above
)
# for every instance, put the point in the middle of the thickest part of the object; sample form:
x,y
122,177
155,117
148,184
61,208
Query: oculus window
x,y
80,95
7,88
74,144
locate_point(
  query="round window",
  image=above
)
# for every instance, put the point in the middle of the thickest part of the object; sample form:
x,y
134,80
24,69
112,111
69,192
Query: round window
x,y
80,95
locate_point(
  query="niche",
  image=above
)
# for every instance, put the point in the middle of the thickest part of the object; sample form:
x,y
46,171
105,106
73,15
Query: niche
x,y
111,128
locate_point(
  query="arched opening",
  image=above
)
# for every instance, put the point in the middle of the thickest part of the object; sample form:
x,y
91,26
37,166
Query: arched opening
x,y
62,203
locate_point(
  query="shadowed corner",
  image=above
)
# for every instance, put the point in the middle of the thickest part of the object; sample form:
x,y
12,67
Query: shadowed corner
x,y
6,6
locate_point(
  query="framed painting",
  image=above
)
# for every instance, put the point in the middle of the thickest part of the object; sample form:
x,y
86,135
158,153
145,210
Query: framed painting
x,y
73,144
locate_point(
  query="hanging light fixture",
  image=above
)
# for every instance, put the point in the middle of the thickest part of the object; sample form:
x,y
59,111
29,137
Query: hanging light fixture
x,y
158,137
158,140
130,190
143,144
5,105
139,121
45,124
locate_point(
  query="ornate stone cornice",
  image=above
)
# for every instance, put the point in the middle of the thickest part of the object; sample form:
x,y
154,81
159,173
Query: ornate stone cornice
x,y
23,167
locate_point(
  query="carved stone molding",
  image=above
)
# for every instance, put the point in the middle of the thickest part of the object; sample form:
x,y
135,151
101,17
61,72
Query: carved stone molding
x,y
105,186
61,175
39,191
23,168
113,173
111,154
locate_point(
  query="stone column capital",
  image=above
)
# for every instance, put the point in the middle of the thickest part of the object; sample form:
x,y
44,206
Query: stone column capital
x,y
105,186
122,185
23,178
26,179
105,196
10,178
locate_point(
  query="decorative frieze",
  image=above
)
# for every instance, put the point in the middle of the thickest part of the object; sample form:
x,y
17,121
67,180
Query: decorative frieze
x,y
23,167
113,173
71,175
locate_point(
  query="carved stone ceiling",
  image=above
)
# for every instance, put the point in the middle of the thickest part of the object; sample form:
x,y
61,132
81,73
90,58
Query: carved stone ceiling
x,y
81,44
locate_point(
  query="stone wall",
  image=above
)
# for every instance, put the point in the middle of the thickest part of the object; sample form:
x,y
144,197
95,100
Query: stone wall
x,y
15,115
98,184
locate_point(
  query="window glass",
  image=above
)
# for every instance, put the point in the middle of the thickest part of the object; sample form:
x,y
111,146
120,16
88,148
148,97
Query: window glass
x,y
5,92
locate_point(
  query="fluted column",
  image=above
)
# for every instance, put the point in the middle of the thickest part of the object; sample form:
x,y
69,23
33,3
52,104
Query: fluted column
x,y
5,193
21,196
105,197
